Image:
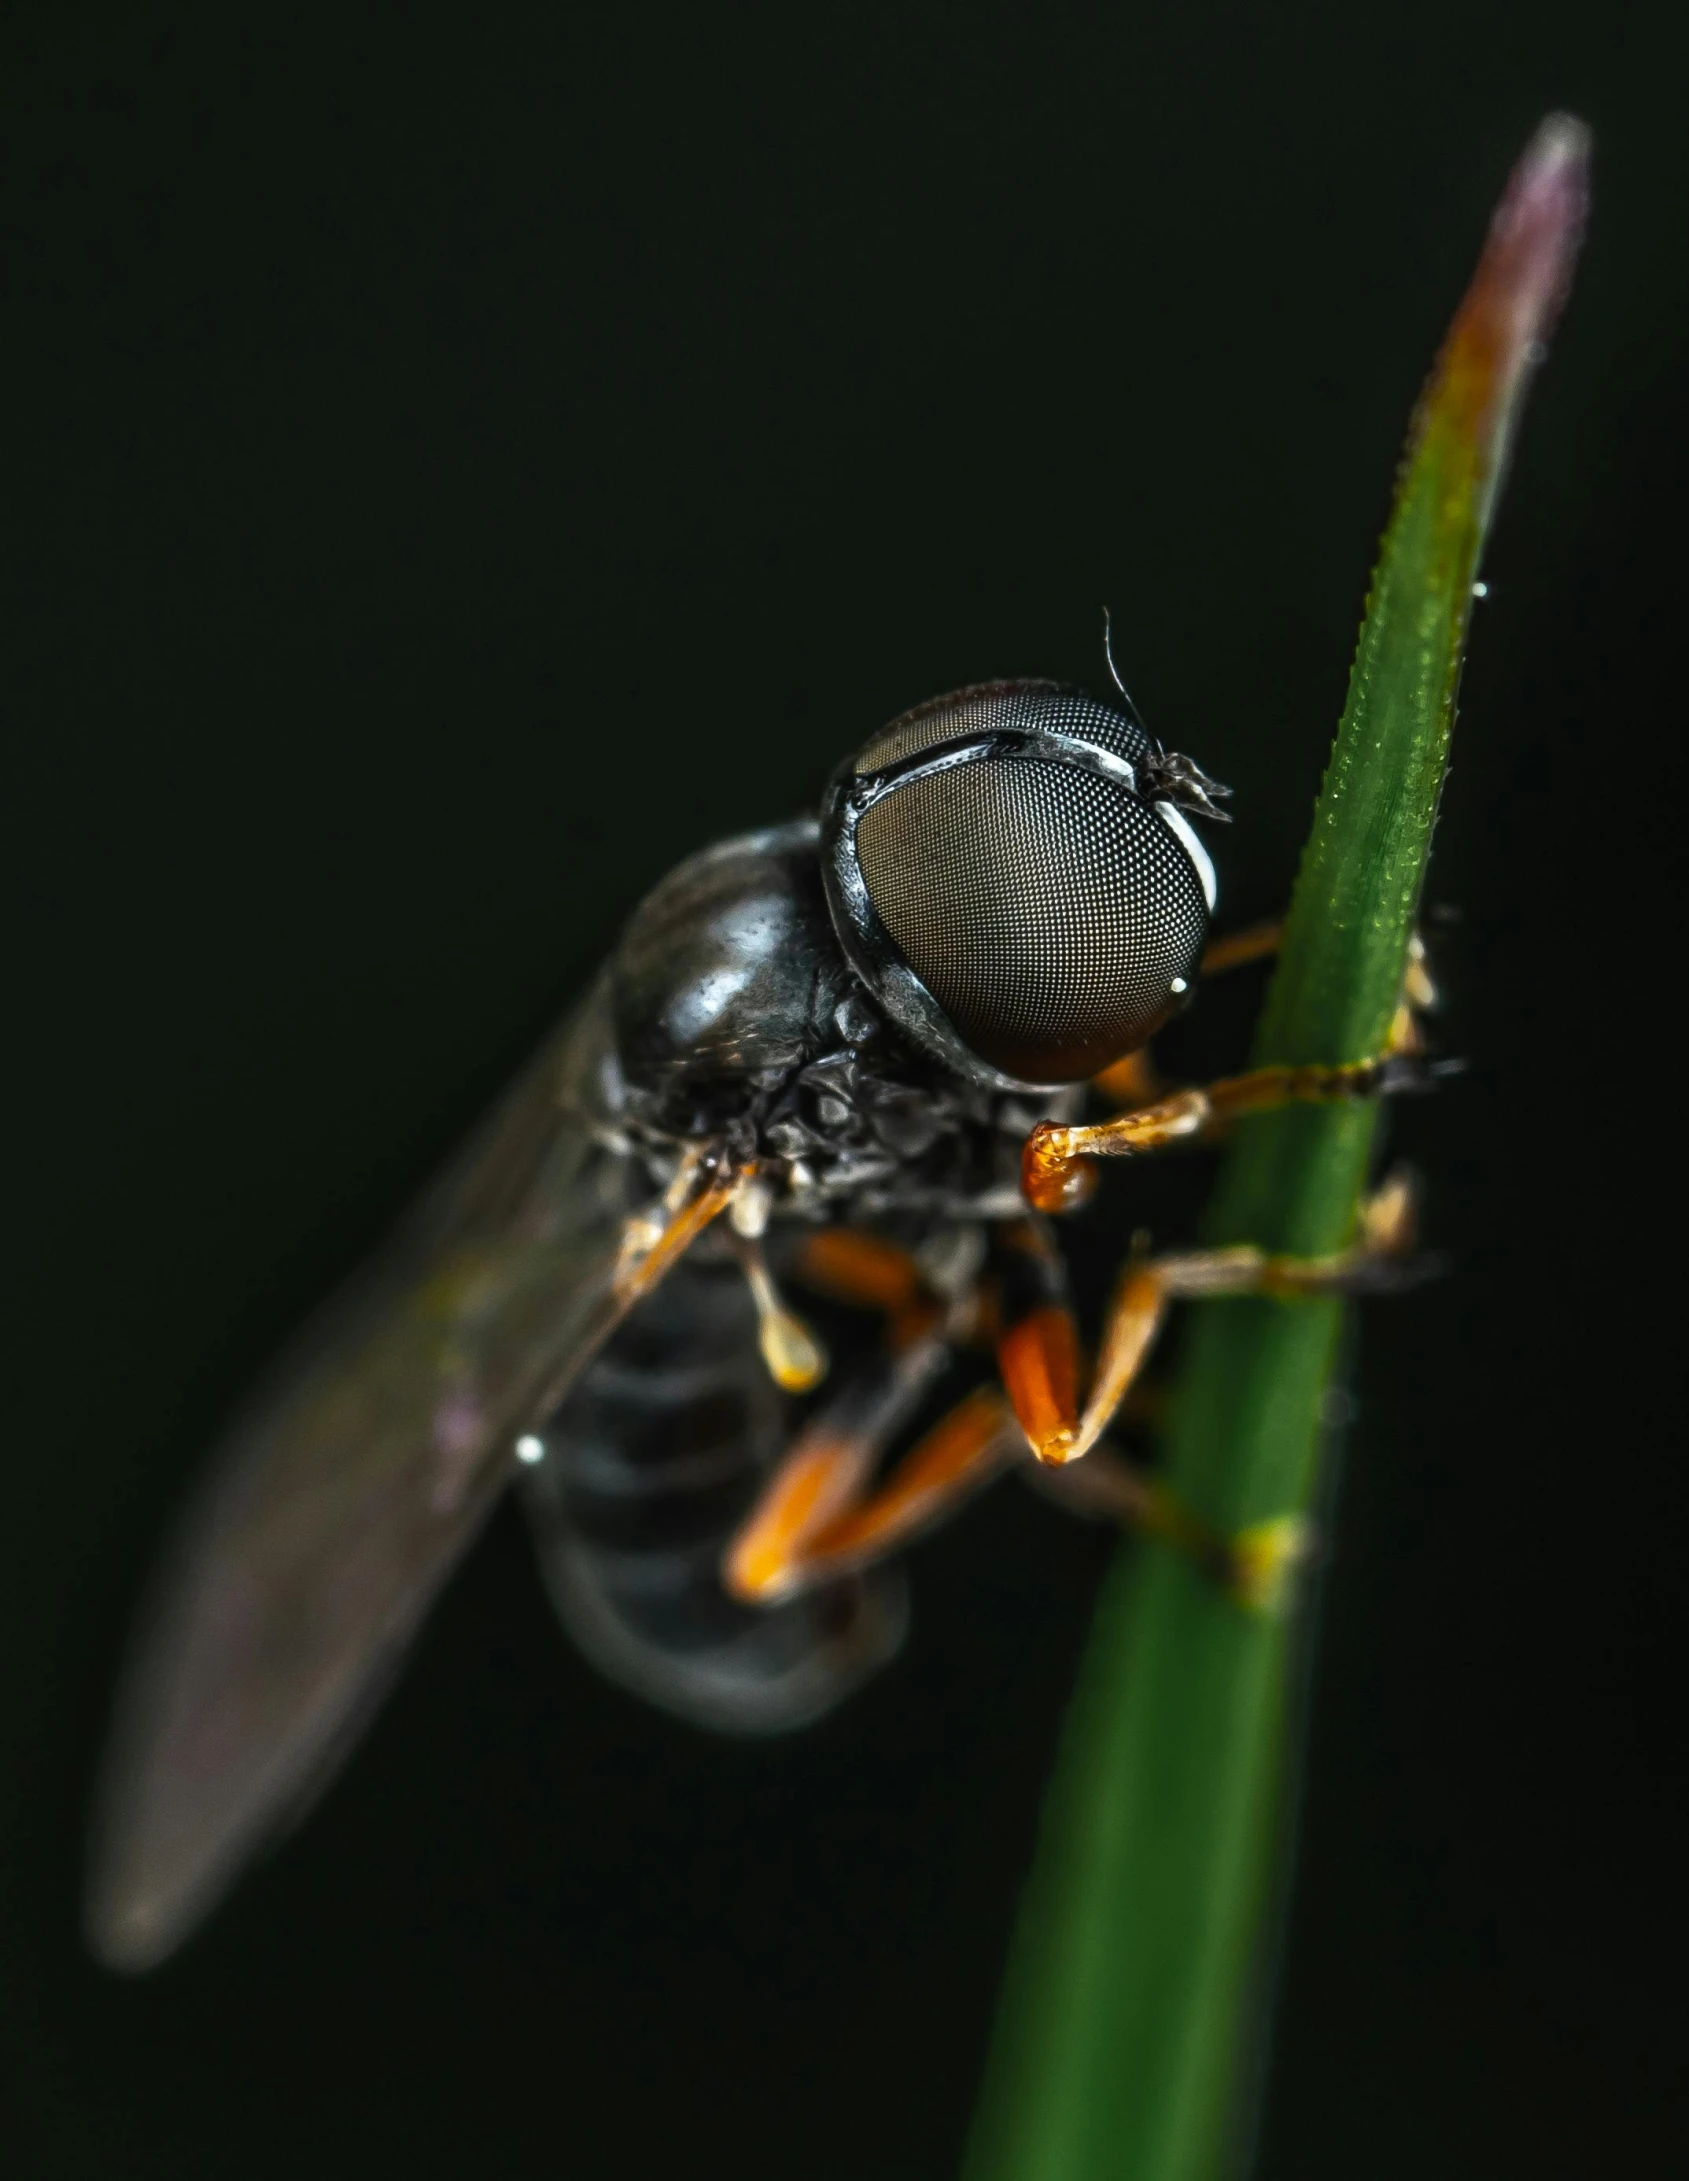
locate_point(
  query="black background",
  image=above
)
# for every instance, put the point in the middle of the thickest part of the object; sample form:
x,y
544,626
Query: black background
x,y
452,470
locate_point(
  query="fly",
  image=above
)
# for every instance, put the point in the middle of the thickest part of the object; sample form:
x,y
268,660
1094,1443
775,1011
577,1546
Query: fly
x,y
870,1058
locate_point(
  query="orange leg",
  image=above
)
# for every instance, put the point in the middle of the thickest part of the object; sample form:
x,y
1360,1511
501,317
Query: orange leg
x,y
853,1266
1157,1117
1251,1565
915,1295
1038,1347
1038,1356
962,1451
1037,1340
819,1514
1054,1177
704,1185
1055,1181
1254,943
828,1469
1108,1486
869,1272
1131,1081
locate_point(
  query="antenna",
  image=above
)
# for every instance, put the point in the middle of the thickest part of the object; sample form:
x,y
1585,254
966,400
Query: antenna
x,y
1113,670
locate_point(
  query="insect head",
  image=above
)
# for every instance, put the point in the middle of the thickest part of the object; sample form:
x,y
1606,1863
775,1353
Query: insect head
x,y
1010,874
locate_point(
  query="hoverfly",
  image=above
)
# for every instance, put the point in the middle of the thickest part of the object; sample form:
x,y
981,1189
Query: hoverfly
x,y
850,1053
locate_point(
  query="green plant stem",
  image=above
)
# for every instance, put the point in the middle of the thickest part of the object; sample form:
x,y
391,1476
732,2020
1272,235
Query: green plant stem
x,y
1136,1982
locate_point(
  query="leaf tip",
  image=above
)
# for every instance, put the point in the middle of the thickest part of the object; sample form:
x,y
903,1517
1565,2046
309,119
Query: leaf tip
x,y
1538,225
1500,332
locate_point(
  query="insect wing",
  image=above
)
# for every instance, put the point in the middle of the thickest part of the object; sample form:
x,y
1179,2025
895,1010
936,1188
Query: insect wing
x,y
342,1497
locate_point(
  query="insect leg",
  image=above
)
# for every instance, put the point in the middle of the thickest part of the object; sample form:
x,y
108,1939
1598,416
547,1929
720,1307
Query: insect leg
x,y
1037,1354
1155,1115
1053,1175
1132,1080
705,1183
1377,1260
1038,1343
818,1520
963,1450
1235,949
825,1473
1037,1339
870,1272
1257,942
1106,1486
1419,996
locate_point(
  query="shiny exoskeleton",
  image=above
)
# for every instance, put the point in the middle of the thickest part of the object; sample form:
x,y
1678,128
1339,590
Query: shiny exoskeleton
x,y
730,1008
850,1053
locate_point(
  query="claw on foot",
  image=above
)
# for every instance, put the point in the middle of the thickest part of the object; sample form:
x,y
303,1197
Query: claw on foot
x,y
1390,1215
1264,1558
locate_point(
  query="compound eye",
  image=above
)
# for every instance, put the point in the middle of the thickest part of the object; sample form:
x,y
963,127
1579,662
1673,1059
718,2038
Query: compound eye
x,y
1054,916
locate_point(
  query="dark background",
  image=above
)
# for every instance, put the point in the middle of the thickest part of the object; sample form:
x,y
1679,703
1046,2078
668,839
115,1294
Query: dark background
x,y
453,470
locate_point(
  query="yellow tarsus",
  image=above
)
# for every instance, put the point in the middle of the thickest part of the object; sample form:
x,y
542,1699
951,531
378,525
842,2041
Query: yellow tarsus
x,y
1263,1558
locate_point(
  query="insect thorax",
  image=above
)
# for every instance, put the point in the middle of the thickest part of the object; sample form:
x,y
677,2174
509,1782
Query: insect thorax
x,y
738,1016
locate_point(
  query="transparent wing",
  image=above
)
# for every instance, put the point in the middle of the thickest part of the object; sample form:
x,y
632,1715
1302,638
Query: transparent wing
x,y
343,1495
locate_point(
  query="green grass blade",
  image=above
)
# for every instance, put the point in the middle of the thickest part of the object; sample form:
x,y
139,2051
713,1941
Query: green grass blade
x,y
1129,2021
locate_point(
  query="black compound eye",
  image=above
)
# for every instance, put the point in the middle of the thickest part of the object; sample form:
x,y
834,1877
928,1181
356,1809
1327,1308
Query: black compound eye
x,y
1048,912
1054,915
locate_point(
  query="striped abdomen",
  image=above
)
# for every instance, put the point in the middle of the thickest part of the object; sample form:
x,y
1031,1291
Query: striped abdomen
x,y
649,1467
